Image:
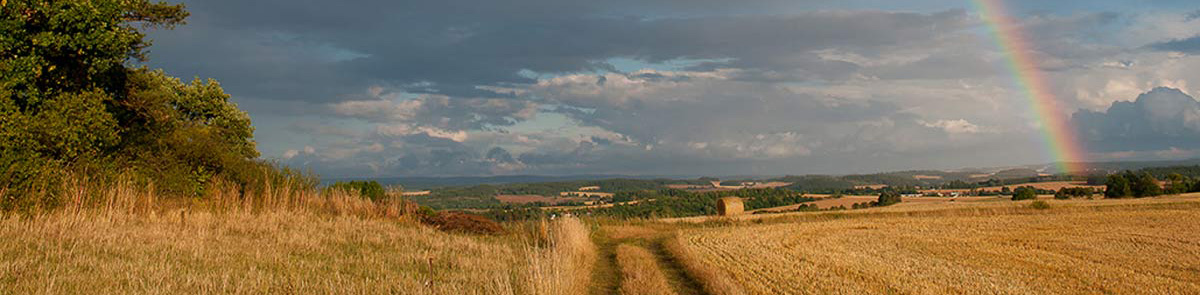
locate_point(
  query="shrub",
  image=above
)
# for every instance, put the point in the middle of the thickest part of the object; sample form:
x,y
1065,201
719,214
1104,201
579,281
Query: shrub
x,y
367,189
888,198
1024,193
1073,192
1040,205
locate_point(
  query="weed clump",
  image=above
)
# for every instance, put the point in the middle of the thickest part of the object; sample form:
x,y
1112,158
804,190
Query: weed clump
x,y
1040,205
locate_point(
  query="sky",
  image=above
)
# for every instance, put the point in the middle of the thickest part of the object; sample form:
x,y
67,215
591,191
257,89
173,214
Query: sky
x,y
687,87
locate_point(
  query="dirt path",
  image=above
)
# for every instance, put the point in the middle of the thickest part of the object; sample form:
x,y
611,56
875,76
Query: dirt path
x,y
606,278
679,279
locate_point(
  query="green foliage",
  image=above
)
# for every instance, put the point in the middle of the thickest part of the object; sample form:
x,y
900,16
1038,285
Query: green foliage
x,y
483,196
1178,184
70,103
1024,193
1165,172
367,189
888,198
1117,186
1145,185
681,203
1073,192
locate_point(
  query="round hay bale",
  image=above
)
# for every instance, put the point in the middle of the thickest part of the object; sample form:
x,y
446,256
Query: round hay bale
x,y
730,206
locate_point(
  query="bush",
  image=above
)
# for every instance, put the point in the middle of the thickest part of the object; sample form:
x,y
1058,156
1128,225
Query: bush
x,y
1073,192
367,189
888,198
1040,205
1024,193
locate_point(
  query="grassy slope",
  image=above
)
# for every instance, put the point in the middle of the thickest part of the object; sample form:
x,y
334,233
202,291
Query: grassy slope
x,y
269,253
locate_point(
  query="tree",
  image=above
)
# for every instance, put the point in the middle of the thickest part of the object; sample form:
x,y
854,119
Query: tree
x,y
1073,192
888,198
1178,184
1117,186
1024,193
1145,185
69,97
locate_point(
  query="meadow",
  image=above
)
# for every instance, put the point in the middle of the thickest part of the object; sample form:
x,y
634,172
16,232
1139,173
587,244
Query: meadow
x,y
123,240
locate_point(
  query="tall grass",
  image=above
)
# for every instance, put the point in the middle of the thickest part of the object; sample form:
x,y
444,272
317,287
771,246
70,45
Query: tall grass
x,y
281,235
640,273
565,267
262,253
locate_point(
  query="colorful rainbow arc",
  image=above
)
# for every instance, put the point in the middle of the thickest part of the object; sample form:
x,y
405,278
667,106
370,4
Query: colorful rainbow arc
x,y
1058,135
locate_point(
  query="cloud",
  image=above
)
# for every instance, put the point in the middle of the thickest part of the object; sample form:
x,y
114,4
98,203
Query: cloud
x,y
322,51
1164,118
1187,45
467,87
959,126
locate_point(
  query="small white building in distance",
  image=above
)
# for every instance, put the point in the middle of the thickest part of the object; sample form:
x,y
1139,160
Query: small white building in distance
x,y
589,188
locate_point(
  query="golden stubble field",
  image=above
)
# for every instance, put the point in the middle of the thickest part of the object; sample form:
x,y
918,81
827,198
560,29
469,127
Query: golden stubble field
x,y
1126,249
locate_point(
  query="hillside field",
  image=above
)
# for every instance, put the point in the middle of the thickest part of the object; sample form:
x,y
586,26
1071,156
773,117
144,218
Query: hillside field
x,y
1075,247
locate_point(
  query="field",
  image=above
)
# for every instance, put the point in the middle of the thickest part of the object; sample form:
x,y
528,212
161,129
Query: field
x,y
341,244
1076,247
1050,185
525,199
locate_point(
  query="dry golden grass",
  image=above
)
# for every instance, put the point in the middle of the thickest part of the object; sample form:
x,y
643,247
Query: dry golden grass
x,y
711,278
240,253
1148,246
565,267
640,274
118,239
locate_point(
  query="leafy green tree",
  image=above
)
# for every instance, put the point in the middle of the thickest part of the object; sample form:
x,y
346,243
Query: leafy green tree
x,y
1145,185
1024,193
1073,192
888,198
1117,186
70,99
1178,184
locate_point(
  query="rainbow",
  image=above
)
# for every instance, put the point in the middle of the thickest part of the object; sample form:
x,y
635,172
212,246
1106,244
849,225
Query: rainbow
x,y
1057,134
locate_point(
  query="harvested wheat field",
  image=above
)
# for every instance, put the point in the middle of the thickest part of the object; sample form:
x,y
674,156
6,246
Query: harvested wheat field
x,y
1126,249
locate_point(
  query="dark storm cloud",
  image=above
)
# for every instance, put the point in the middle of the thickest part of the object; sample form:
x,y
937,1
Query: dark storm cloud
x,y
1191,16
1186,45
1161,119
469,87
323,51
